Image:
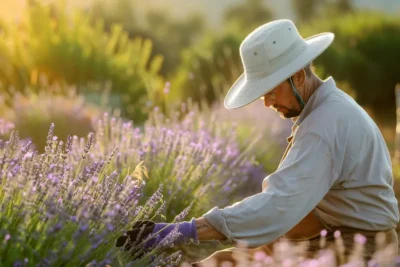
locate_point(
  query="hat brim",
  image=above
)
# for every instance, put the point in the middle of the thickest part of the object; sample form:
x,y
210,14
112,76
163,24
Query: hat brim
x,y
244,92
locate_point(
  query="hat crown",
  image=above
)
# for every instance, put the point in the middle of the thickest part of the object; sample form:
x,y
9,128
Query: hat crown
x,y
270,47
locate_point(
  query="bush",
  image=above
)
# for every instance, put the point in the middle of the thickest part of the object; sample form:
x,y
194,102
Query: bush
x,y
265,127
208,70
169,34
190,157
92,190
78,50
57,212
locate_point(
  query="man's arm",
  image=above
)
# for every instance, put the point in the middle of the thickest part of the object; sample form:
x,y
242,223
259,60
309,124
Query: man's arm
x,y
298,185
205,231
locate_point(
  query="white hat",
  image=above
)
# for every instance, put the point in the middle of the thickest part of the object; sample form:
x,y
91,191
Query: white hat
x,y
270,54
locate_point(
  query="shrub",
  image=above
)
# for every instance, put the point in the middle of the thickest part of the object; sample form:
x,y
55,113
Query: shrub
x,y
77,50
208,69
192,158
266,128
57,213
86,192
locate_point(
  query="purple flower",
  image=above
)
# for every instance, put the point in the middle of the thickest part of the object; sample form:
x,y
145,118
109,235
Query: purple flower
x,y
324,232
7,237
170,239
181,216
360,239
83,228
337,234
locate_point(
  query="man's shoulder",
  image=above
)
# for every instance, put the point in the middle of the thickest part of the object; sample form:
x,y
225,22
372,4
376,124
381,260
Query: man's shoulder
x,y
337,107
337,112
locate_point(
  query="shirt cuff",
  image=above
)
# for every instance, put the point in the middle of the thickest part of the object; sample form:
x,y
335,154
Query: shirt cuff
x,y
217,220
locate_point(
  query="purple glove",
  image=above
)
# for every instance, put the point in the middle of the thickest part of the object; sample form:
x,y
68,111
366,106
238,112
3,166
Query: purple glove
x,y
170,234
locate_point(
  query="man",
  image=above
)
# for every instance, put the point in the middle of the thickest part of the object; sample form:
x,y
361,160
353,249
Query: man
x,y
336,173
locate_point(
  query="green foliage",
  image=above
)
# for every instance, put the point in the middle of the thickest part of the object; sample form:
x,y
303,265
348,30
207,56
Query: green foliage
x,y
208,70
247,16
168,34
308,10
71,49
117,11
363,56
344,6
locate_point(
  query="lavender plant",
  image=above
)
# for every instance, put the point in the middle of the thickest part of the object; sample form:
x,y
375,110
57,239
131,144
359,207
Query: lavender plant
x,y
58,213
257,121
193,159
265,128
75,47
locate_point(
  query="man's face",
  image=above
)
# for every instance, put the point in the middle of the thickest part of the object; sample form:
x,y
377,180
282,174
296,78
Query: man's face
x,y
284,101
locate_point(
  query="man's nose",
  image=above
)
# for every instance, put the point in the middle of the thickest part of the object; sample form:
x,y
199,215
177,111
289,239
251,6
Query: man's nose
x,y
268,101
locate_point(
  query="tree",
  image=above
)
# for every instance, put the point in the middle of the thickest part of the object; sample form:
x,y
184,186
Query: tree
x,y
120,11
208,69
171,36
344,6
247,16
307,10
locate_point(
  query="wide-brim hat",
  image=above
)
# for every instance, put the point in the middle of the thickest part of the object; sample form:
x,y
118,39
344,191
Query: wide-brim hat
x,y
271,54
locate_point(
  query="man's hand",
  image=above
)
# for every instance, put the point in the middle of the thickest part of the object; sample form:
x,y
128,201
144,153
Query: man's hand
x,y
155,234
140,230
205,231
166,235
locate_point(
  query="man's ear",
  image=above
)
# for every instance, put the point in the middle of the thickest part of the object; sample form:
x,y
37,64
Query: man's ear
x,y
299,78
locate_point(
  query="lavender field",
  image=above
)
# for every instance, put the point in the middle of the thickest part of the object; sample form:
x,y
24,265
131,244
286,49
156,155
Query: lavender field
x,y
80,194
68,205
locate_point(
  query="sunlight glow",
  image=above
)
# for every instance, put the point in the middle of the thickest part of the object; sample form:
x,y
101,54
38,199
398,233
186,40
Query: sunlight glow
x,y
11,10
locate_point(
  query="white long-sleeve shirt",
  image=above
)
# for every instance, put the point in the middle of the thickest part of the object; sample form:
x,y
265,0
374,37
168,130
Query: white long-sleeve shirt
x,y
338,164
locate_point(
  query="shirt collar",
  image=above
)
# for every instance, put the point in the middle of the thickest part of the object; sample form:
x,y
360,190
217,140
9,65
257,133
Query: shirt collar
x,y
316,99
313,102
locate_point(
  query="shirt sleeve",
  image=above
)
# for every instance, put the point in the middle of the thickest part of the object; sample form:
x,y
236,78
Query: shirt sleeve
x,y
300,182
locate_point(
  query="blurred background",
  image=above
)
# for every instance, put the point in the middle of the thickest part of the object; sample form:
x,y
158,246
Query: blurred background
x,y
67,62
